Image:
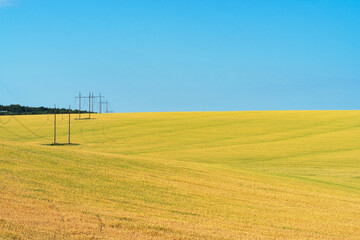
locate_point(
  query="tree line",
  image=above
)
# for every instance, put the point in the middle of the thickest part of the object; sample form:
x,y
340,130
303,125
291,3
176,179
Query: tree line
x,y
16,109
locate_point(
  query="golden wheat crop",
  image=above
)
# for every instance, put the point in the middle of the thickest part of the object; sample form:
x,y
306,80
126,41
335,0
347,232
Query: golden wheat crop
x,y
199,175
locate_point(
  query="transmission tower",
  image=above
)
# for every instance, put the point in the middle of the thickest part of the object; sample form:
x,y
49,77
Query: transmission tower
x,y
91,100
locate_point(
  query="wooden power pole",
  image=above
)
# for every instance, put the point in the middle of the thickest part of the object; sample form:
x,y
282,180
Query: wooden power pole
x,y
92,102
55,125
89,105
69,123
91,98
79,105
100,103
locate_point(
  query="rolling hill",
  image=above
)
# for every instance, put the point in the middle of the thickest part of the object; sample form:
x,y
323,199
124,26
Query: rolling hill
x,y
182,175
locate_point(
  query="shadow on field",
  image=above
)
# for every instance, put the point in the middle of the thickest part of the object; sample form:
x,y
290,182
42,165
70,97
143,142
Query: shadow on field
x,y
61,144
82,119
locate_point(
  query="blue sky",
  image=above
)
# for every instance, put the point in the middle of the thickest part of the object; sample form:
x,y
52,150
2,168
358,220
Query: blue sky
x,y
196,55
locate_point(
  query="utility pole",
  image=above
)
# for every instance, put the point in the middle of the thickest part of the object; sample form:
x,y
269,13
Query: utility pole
x,y
79,105
54,124
92,99
107,106
100,103
89,104
69,123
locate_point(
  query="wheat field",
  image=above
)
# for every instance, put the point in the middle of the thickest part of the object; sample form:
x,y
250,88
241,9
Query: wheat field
x,y
182,175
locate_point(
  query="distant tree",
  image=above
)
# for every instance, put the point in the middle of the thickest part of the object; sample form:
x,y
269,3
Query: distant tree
x,y
16,109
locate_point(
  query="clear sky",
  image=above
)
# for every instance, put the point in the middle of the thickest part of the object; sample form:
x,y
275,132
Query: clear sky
x,y
189,55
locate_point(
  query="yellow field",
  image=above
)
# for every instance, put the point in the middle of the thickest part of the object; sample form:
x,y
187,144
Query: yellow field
x,y
208,175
